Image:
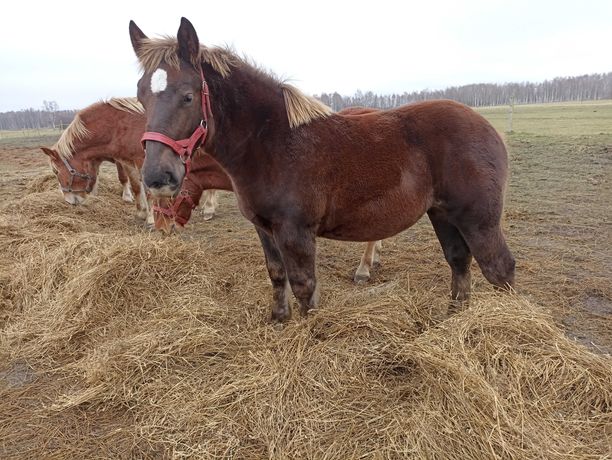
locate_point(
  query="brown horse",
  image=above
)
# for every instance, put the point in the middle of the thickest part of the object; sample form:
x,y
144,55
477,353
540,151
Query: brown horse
x,y
300,171
104,131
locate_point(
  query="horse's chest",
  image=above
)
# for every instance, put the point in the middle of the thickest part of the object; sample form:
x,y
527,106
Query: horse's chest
x,y
251,214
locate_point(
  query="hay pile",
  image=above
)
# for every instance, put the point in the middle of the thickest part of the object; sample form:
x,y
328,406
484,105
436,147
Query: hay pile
x,y
117,343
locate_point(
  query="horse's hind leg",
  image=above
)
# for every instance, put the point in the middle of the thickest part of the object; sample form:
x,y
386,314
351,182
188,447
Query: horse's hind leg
x,y
491,252
281,310
138,190
377,251
210,204
457,254
371,257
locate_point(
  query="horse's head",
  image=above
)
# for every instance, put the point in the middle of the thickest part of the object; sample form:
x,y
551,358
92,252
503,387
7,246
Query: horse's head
x,y
175,98
77,178
173,213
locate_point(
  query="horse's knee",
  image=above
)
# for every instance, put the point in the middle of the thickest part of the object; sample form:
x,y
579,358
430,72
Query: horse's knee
x,y
303,286
460,262
277,274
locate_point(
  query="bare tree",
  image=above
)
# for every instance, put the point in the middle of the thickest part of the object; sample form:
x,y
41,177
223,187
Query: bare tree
x,y
51,107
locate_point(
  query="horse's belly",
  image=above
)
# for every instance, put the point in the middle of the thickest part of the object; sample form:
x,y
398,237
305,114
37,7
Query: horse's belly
x,y
373,220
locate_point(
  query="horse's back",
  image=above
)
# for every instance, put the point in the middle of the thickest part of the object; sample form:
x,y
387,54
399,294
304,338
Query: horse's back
x,y
393,166
461,148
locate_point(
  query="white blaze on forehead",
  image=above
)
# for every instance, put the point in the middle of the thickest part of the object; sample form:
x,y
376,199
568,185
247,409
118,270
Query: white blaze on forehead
x,y
159,80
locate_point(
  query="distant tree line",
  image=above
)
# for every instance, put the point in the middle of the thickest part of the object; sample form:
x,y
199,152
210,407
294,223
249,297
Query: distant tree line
x,y
562,89
49,116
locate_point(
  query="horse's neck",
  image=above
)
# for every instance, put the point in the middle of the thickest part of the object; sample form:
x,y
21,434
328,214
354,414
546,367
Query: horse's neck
x,y
207,178
251,108
92,150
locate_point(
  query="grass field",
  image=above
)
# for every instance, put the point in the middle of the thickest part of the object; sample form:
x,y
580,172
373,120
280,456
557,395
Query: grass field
x,y
560,119
29,134
119,343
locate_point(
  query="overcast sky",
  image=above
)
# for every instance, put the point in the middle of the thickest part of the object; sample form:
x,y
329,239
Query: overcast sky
x,y
75,53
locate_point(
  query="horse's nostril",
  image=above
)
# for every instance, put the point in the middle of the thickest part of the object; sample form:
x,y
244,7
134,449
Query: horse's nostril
x,y
164,179
171,179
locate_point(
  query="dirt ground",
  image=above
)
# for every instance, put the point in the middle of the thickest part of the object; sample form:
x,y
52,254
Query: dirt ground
x,y
557,221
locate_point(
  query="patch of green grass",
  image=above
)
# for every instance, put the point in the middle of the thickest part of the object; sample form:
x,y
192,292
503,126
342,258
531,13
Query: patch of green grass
x,y
29,137
27,133
558,119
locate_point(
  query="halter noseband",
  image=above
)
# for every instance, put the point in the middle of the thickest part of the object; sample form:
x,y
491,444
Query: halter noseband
x,y
172,211
184,147
74,173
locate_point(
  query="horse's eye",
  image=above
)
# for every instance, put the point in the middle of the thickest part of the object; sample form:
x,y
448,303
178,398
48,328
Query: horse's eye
x,y
188,98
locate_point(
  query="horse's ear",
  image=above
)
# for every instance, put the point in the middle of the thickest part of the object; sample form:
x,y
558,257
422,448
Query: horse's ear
x,y
188,43
51,153
137,36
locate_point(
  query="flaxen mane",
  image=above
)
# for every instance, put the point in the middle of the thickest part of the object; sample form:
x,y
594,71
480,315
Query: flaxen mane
x,y
301,109
126,104
76,131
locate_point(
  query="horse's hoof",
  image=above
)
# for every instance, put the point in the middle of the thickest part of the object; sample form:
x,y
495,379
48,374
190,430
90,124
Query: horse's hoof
x,y
361,278
208,215
281,316
308,311
127,195
457,306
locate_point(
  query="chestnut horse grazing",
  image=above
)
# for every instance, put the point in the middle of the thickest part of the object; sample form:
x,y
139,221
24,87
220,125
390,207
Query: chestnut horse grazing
x,y
104,131
299,171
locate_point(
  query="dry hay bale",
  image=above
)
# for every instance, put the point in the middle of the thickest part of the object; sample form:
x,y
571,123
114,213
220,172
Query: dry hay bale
x,y
156,347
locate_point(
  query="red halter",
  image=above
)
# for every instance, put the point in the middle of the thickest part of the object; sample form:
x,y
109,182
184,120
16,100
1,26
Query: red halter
x,y
172,211
184,148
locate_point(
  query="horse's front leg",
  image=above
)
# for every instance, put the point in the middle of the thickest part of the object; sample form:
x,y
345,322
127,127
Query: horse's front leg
x,y
281,311
298,249
150,221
